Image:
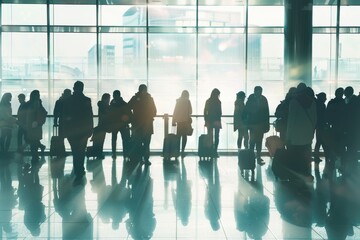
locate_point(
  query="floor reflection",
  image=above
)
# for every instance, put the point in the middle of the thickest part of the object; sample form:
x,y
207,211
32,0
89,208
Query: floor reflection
x,y
183,198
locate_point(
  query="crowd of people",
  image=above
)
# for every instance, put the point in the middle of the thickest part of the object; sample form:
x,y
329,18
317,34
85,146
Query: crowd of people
x,y
298,117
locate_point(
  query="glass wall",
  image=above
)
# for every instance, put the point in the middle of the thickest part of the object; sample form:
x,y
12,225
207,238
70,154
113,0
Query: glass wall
x,y
170,46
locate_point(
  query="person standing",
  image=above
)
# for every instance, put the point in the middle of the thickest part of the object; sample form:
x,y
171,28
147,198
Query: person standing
x,y
301,125
7,122
21,121
35,119
239,124
212,115
99,137
78,127
144,110
120,116
321,128
58,111
256,114
182,119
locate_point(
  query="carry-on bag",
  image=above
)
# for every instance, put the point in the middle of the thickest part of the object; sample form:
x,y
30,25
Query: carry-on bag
x,y
57,145
246,160
273,143
171,146
205,147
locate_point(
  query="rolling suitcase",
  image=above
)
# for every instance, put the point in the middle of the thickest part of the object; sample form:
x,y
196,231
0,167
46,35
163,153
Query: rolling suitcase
x,y
57,145
171,146
246,160
205,147
93,151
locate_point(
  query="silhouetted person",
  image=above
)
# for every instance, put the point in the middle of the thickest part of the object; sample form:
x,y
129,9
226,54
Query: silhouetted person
x,y
321,127
7,122
103,124
21,121
120,116
78,127
239,124
352,129
182,119
212,117
281,113
35,119
335,112
144,111
301,124
58,111
256,114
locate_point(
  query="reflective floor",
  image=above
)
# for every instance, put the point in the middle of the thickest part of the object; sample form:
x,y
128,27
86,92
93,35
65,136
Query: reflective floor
x,y
184,199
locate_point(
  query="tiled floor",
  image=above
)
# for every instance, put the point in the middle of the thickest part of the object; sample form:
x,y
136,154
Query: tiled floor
x,y
187,199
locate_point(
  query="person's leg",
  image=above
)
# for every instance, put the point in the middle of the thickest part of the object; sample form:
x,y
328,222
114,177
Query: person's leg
x,y
20,136
113,143
246,138
216,143
126,141
8,133
146,148
78,148
183,143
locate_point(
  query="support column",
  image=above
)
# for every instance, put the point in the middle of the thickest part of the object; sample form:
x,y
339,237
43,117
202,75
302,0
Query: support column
x,y
298,42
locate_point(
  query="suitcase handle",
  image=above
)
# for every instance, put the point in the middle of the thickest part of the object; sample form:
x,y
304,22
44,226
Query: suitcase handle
x,y
56,130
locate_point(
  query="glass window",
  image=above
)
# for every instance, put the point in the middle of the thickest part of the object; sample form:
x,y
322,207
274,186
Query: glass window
x,y
23,14
120,15
266,16
349,16
221,16
324,16
75,15
178,16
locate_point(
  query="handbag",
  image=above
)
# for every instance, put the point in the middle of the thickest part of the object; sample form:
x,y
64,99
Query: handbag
x,y
189,130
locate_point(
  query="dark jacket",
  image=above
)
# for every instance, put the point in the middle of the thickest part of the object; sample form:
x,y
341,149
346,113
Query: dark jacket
x,y
78,116
256,113
144,111
119,114
239,107
35,118
103,113
212,113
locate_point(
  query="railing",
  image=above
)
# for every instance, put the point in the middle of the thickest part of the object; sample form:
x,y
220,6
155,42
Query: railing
x,y
227,142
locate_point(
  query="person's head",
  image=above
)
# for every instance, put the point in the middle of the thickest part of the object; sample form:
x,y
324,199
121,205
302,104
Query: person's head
x,y
78,87
321,97
257,90
66,93
21,98
349,91
35,95
240,95
339,92
105,98
215,93
6,98
185,94
116,94
142,88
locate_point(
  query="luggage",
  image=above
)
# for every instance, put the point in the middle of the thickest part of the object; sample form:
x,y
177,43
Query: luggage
x,y
57,145
281,165
205,147
273,143
171,146
94,150
246,160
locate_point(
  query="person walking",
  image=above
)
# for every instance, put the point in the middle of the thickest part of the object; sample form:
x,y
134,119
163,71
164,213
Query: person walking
x,y
182,119
256,114
35,119
212,116
7,122
144,110
21,122
78,127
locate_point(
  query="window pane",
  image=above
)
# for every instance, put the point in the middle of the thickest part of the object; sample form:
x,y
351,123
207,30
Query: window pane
x,y
120,15
172,16
171,66
221,65
349,16
73,15
324,16
221,16
266,16
266,66
23,14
